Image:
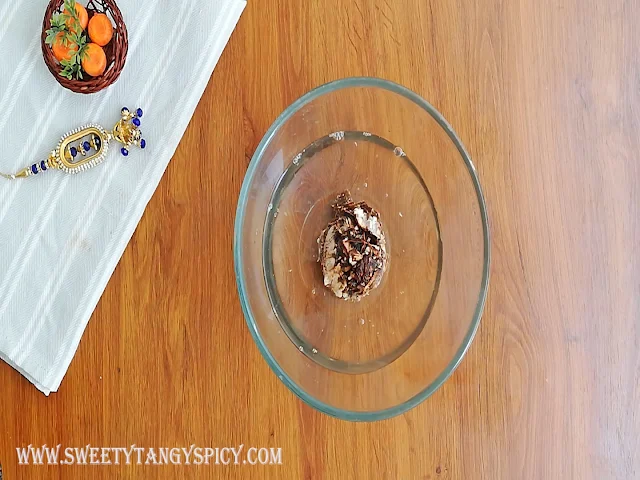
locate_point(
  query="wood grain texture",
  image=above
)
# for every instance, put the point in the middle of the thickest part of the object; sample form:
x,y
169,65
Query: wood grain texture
x,y
546,96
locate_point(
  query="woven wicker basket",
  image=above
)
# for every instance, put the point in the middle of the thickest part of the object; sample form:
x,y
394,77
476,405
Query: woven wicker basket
x,y
116,50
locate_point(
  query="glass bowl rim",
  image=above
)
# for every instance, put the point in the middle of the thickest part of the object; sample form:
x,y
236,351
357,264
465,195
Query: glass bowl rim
x,y
238,237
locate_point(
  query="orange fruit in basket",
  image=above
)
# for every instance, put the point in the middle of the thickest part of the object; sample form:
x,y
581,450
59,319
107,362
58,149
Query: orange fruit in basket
x,y
95,62
100,29
62,51
83,17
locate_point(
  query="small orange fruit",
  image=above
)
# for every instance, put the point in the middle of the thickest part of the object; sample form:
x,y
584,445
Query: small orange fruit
x,y
62,51
83,17
100,29
95,62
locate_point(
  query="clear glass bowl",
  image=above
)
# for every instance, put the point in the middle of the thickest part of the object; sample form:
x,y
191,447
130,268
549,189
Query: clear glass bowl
x,y
381,356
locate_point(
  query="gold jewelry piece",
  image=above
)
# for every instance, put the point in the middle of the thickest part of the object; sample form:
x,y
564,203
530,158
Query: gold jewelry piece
x,y
91,149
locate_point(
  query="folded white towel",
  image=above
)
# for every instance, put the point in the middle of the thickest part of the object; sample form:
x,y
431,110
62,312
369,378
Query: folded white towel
x,y
61,236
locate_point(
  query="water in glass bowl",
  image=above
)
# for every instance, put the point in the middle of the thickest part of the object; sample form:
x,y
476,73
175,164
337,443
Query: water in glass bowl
x,y
347,336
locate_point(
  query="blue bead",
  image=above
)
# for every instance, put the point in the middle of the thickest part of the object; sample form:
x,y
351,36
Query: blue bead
x,y
125,109
136,122
96,140
124,151
86,146
143,143
34,169
74,152
139,112
43,166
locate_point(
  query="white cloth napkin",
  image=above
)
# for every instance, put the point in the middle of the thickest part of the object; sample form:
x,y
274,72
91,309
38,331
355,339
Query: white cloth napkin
x,y
61,236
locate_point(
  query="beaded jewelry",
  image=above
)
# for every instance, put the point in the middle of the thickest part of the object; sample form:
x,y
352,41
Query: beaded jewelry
x,y
91,149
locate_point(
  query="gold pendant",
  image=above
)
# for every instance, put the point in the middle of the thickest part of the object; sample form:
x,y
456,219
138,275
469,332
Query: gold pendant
x,y
86,147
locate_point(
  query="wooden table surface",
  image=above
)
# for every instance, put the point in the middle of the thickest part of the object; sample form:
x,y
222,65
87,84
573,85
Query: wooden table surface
x,y
546,96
